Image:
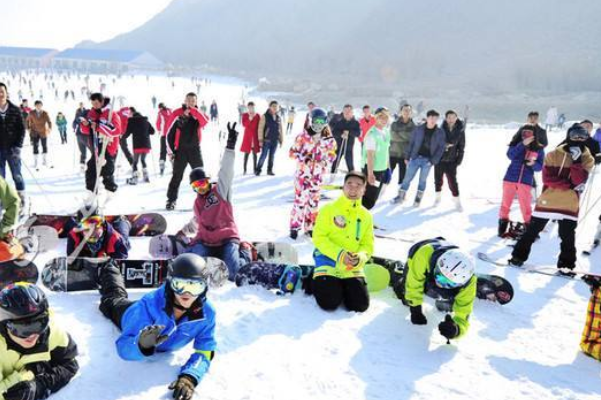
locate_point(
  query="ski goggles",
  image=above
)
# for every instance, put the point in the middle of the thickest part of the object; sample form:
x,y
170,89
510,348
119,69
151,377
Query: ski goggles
x,y
318,124
444,282
24,328
93,222
194,287
201,185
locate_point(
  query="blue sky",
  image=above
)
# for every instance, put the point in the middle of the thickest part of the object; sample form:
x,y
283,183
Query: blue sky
x,y
64,23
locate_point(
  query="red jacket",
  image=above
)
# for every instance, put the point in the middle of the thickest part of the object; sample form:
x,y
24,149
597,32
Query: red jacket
x,y
250,141
111,131
366,126
124,115
163,118
202,119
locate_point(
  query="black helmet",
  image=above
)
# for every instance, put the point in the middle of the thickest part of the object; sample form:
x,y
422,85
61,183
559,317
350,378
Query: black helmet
x,y
197,174
319,119
187,274
22,300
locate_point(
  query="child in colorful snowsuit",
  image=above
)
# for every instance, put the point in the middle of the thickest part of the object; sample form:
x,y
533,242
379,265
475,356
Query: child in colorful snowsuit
x,y
314,149
526,157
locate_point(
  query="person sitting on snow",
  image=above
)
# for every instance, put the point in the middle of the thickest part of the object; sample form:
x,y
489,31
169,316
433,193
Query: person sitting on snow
x,y
164,320
9,202
213,225
95,237
37,356
438,269
344,242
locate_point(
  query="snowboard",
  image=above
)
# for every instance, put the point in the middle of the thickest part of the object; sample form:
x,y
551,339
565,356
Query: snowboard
x,y
284,278
17,271
36,239
531,268
150,224
63,275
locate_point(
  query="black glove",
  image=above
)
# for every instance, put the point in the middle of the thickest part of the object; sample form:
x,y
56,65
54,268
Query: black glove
x,y
183,387
417,316
232,136
150,338
448,328
25,390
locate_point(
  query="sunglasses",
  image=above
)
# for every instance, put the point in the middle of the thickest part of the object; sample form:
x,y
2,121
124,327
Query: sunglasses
x,y
200,185
195,287
444,282
24,328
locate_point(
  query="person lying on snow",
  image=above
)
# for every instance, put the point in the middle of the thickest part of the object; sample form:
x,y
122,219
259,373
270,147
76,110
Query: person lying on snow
x,y
95,237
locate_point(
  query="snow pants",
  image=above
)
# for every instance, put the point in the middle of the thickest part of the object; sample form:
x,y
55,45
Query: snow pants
x,y
307,191
113,301
183,157
524,193
330,292
107,173
125,150
591,335
450,170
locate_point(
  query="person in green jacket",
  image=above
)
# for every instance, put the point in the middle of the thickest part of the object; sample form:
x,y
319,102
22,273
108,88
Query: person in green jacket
x,y
400,137
439,270
61,123
376,157
344,241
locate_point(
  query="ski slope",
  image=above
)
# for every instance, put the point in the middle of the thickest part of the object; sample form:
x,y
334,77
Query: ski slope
x,y
273,347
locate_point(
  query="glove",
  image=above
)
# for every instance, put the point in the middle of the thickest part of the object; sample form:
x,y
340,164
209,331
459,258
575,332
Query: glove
x,y
448,328
183,387
417,316
150,338
387,176
576,154
25,390
232,136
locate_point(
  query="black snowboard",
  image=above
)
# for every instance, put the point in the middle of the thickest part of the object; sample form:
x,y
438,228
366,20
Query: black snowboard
x,y
151,224
17,271
82,273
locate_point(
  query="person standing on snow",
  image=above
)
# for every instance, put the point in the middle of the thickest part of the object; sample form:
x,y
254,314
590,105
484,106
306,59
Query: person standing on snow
x,y
551,119
439,270
61,124
250,140
565,172
526,158
345,129
164,320
163,117
184,135
214,111
452,157
37,356
314,149
140,130
271,133
213,226
40,126
83,136
400,137
426,148
376,156
344,242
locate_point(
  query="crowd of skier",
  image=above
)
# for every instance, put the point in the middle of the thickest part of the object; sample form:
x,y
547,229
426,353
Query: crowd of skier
x,y
37,357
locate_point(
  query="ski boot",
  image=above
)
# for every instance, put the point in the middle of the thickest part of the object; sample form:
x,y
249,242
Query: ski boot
x,y
293,234
437,199
170,205
400,198
145,175
36,162
418,199
458,206
45,161
133,180
515,262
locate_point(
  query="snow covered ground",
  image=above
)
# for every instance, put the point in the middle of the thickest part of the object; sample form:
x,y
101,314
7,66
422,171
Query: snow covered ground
x,y
273,347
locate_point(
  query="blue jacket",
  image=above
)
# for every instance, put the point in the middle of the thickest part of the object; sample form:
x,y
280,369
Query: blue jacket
x,y
151,310
437,145
518,171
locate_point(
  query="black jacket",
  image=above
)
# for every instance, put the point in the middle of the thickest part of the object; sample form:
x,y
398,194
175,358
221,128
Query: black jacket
x,y
79,113
539,133
183,135
140,129
340,125
12,129
455,138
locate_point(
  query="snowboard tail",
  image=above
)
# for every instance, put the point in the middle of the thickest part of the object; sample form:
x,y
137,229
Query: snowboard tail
x,y
17,271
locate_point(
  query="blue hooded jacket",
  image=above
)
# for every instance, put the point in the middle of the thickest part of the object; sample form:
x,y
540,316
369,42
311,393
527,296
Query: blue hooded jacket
x,y
151,310
437,144
518,171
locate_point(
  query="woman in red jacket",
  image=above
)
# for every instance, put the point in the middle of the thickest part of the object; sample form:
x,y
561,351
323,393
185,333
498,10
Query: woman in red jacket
x,y
250,141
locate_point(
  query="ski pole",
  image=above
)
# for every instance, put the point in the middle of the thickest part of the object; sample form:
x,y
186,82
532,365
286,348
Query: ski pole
x,y
40,186
341,154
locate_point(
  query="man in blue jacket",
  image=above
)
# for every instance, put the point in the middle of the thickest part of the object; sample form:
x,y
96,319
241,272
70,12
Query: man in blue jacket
x,y
164,320
425,150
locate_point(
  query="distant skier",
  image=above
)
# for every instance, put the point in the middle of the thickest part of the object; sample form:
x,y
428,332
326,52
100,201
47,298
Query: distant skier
x,y
366,122
438,269
213,226
214,112
250,140
61,124
140,130
163,117
83,137
314,150
93,236
551,120
40,126
565,172
37,355
344,241
164,320
290,120
271,133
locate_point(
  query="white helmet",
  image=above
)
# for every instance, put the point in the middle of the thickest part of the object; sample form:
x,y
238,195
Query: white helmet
x,y
453,269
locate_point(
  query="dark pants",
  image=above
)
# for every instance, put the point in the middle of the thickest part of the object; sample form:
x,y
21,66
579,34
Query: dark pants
x,y
450,170
254,161
83,143
331,292
35,141
372,192
14,163
125,149
183,157
348,154
113,300
269,148
163,155
400,161
107,173
139,157
567,234
63,132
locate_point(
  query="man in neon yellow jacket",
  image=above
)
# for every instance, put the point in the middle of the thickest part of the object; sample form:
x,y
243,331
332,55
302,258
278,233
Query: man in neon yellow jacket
x,y
439,270
344,240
